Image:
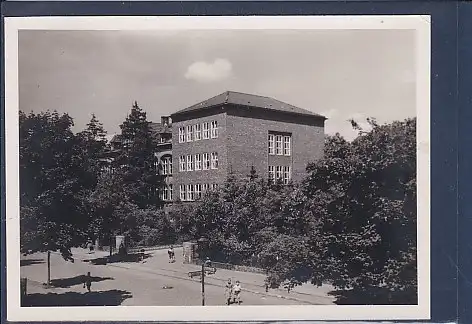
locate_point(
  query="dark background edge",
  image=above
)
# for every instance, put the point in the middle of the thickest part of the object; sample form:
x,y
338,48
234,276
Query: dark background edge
x,y
447,300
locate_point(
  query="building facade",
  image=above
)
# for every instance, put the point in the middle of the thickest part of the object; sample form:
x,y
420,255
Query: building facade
x,y
235,132
162,134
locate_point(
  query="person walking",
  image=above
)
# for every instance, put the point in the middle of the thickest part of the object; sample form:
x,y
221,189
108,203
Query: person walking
x,y
171,254
228,291
88,282
237,292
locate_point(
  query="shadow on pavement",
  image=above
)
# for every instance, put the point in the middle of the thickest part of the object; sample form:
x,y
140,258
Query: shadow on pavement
x,y
27,262
372,297
134,257
73,281
94,298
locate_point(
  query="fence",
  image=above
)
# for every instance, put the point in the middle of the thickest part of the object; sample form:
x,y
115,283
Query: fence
x,y
152,248
234,267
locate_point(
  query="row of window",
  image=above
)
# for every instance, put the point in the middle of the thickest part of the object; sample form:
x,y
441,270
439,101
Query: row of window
x,y
193,192
279,145
280,172
198,132
197,162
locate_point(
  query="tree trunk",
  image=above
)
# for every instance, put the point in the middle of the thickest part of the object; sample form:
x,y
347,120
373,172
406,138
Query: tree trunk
x,y
49,268
111,245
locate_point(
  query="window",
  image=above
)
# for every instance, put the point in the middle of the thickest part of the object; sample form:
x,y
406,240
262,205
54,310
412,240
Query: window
x,y
198,191
287,141
156,166
214,160
190,193
189,163
278,145
278,172
165,194
181,135
189,133
287,175
198,162
183,193
214,129
182,163
171,192
197,129
205,187
206,161
214,186
167,166
271,173
206,130
271,144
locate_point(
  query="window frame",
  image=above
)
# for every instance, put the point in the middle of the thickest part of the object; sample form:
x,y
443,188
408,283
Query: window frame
x,y
183,192
189,133
271,140
182,163
198,162
190,193
279,149
214,161
214,129
182,134
287,150
287,174
207,165
271,171
279,174
189,160
198,193
206,130
197,132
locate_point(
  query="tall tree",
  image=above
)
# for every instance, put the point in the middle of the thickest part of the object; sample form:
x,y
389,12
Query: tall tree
x,y
361,199
137,160
51,183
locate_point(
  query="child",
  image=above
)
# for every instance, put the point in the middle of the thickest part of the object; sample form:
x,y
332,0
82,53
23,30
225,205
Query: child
x,y
237,292
88,281
171,254
228,291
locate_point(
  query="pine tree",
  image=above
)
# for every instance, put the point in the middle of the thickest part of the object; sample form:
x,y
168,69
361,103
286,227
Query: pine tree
x,y
94,144
137,159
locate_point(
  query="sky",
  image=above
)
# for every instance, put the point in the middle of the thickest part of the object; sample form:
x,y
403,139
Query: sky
x,y
341,74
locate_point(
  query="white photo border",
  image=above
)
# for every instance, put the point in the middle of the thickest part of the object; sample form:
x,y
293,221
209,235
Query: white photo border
x,y
422,26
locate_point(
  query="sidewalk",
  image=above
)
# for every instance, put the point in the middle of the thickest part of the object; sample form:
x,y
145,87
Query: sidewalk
x,y
157,263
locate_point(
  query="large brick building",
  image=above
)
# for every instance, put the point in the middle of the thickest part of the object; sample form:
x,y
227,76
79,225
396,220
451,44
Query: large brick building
x,y
234,132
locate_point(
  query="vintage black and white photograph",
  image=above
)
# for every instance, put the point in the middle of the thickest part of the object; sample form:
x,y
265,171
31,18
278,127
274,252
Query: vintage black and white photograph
x,y
227,165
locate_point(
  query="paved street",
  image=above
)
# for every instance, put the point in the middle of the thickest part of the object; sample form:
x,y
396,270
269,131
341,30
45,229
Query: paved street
x,y
153,282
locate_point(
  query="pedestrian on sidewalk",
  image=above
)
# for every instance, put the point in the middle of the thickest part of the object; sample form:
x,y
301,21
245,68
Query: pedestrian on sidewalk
x,y
237,292
171,254
88,281
229,291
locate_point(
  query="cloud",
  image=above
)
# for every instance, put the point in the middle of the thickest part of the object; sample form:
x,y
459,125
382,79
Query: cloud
x,y
205,72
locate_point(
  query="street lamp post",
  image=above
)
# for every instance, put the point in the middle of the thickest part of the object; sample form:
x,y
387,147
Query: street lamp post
x,y
206,262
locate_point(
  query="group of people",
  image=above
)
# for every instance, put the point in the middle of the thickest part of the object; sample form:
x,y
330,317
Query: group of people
x,y
233,292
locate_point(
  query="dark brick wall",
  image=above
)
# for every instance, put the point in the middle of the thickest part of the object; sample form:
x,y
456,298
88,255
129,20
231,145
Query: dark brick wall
x,y
248,143
201,146
242,142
